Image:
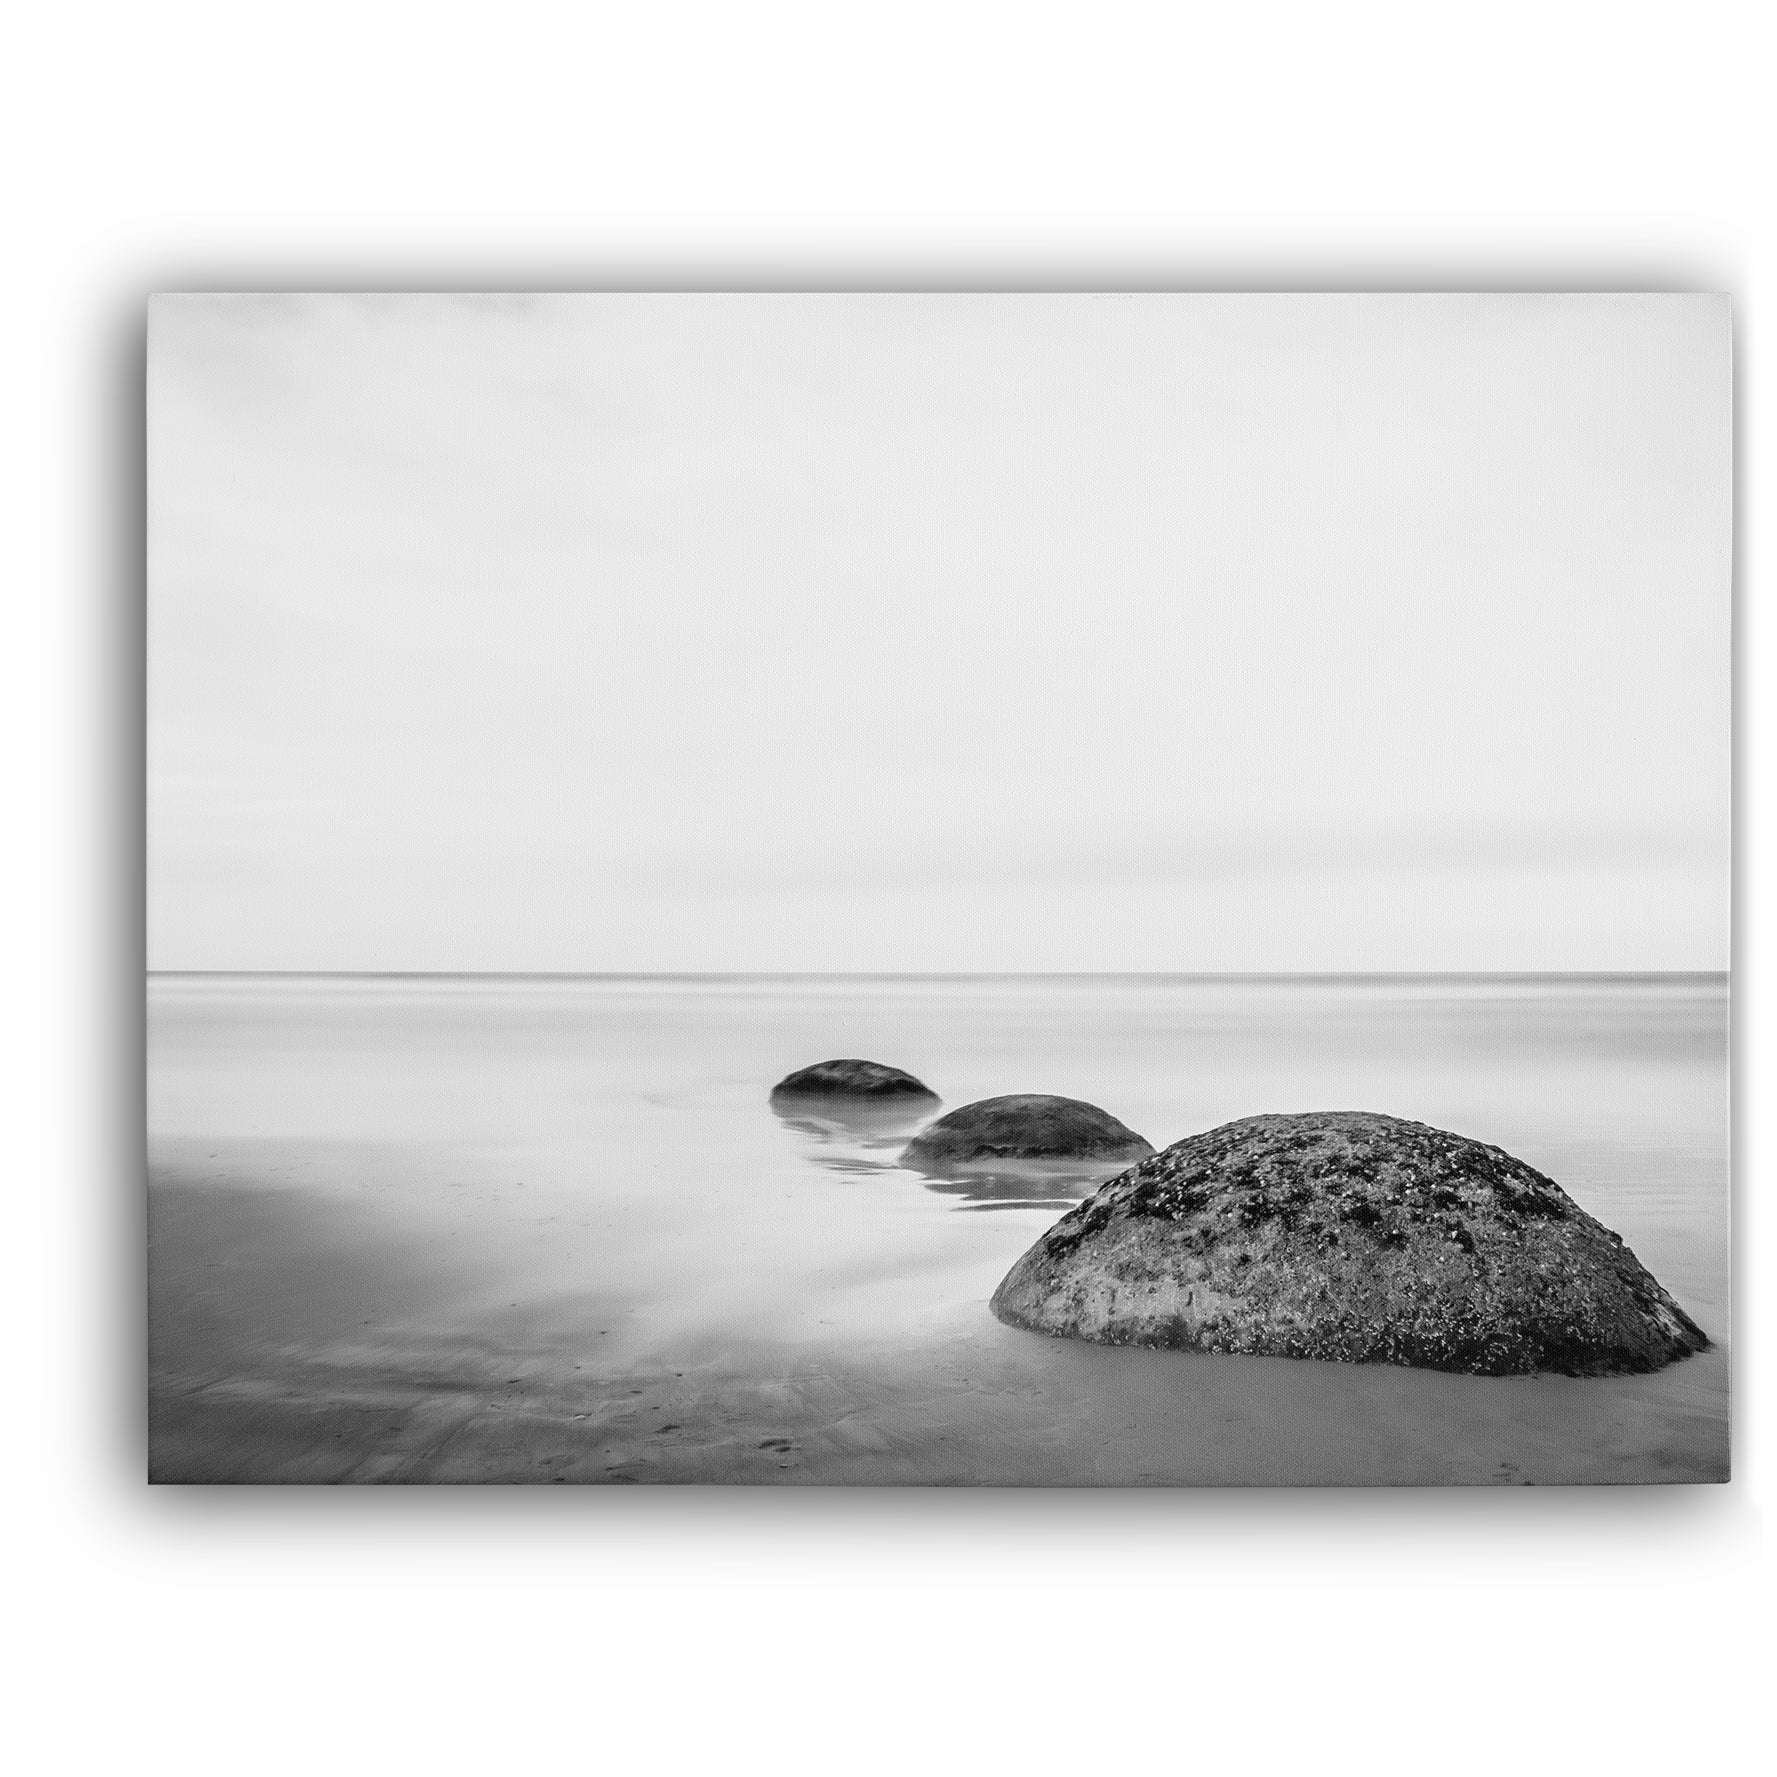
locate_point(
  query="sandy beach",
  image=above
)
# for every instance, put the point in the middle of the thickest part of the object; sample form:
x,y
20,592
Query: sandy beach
x,y
520,1231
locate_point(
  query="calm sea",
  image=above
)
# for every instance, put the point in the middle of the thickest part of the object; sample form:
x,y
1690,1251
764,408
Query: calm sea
x,y
548,1228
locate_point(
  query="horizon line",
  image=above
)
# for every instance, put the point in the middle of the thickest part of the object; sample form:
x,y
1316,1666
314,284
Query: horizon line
x,y
944,974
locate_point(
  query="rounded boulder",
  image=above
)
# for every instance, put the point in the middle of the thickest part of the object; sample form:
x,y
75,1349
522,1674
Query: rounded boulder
x,y
1024,1126
851,1079
1352,1237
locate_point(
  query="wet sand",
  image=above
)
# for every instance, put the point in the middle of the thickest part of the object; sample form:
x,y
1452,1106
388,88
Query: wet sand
x,y
523,1234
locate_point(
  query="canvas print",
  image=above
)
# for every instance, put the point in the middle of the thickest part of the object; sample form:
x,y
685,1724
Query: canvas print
x,y
1038,890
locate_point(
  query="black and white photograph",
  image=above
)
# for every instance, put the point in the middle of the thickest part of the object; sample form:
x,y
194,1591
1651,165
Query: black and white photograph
x,y
887,889
939,890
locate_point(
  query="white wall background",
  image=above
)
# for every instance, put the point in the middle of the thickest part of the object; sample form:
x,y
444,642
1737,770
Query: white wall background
x,y
1580,145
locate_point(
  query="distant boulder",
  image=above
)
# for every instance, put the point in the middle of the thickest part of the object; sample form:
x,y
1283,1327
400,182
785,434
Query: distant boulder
x,y
851,1079
1024,1126
1353,1237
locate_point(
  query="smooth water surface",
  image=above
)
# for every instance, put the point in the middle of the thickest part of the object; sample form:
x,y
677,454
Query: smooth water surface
x,y
549,1229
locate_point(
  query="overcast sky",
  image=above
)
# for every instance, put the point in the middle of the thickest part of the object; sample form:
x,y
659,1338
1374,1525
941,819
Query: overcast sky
x,y
939,632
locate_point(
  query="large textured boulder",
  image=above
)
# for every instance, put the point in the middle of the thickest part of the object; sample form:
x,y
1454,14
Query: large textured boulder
x,y
1024,1126
851,1079
1349,1236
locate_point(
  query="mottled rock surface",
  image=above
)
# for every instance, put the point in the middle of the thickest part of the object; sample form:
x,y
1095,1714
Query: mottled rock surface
x,y
1349,1236
1025,1126
851,1079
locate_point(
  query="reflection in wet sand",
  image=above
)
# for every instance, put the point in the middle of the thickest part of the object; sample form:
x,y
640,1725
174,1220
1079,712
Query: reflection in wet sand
x,y
833,1121
1033,1184
853,1136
